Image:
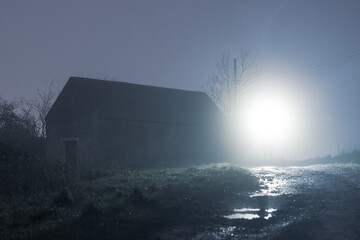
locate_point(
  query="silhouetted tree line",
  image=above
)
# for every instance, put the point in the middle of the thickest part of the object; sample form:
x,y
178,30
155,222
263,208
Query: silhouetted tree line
x,y
23,166
22,122
343,157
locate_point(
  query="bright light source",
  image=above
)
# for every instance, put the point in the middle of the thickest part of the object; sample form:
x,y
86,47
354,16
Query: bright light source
x,y
269,118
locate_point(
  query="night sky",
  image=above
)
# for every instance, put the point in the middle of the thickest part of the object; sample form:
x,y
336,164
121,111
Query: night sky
x,y
177,43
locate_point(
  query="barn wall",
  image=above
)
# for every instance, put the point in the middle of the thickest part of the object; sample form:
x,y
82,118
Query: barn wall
x,y
113,142
82,132
72,118
144,144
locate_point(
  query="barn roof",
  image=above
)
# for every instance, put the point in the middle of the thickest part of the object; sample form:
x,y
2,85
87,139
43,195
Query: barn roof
x,y
134,102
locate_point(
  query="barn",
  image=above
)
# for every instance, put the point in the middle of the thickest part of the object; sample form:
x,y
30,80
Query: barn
x,y
106,123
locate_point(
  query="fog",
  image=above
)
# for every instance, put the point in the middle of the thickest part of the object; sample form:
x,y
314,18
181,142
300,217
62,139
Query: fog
x,y
156,119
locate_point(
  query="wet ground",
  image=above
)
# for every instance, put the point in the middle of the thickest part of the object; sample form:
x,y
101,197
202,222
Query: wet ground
x,y
314,202
216,201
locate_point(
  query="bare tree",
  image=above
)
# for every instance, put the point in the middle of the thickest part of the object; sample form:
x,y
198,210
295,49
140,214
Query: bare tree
x,y
25,111
15,125
230,80
40,106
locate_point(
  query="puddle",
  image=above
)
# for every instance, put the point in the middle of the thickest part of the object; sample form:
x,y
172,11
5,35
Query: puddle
x,y
247,216
270,210
251,213
268,216
247,210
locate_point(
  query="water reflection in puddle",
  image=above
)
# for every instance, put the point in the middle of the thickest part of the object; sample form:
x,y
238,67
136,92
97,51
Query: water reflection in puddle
x,y
247,210
268,216
277,181
270,210
247,216
270,185
251,213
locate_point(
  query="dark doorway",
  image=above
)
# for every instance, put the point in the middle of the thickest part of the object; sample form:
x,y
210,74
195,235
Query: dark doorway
x,y
71,155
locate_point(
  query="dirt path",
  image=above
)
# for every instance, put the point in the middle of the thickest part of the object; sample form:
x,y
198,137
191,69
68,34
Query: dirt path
x,y
318,202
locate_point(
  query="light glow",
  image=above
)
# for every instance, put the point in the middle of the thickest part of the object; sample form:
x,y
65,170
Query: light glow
x,y
269,118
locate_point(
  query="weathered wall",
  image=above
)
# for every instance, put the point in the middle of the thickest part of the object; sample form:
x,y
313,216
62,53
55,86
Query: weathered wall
x,y
83,132
72,119
144,144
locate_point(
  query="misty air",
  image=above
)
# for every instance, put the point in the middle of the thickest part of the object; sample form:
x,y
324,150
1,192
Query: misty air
x,y
178,120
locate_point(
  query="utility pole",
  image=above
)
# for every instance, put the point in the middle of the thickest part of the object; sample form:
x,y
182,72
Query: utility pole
x,y
236,84
235,76
235,71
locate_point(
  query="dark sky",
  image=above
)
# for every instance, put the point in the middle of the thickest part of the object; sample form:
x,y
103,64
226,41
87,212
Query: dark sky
x,y
176,44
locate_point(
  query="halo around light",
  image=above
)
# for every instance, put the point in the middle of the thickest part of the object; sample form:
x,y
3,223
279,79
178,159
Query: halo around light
x,y
271,118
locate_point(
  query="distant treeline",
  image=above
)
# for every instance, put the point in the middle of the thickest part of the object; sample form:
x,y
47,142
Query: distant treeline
x,y
344,157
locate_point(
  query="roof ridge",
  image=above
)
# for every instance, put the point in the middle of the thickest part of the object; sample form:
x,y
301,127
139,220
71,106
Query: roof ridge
x,y
119,100
74,78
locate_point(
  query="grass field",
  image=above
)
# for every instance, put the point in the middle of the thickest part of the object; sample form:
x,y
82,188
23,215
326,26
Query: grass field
x,y
119,204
